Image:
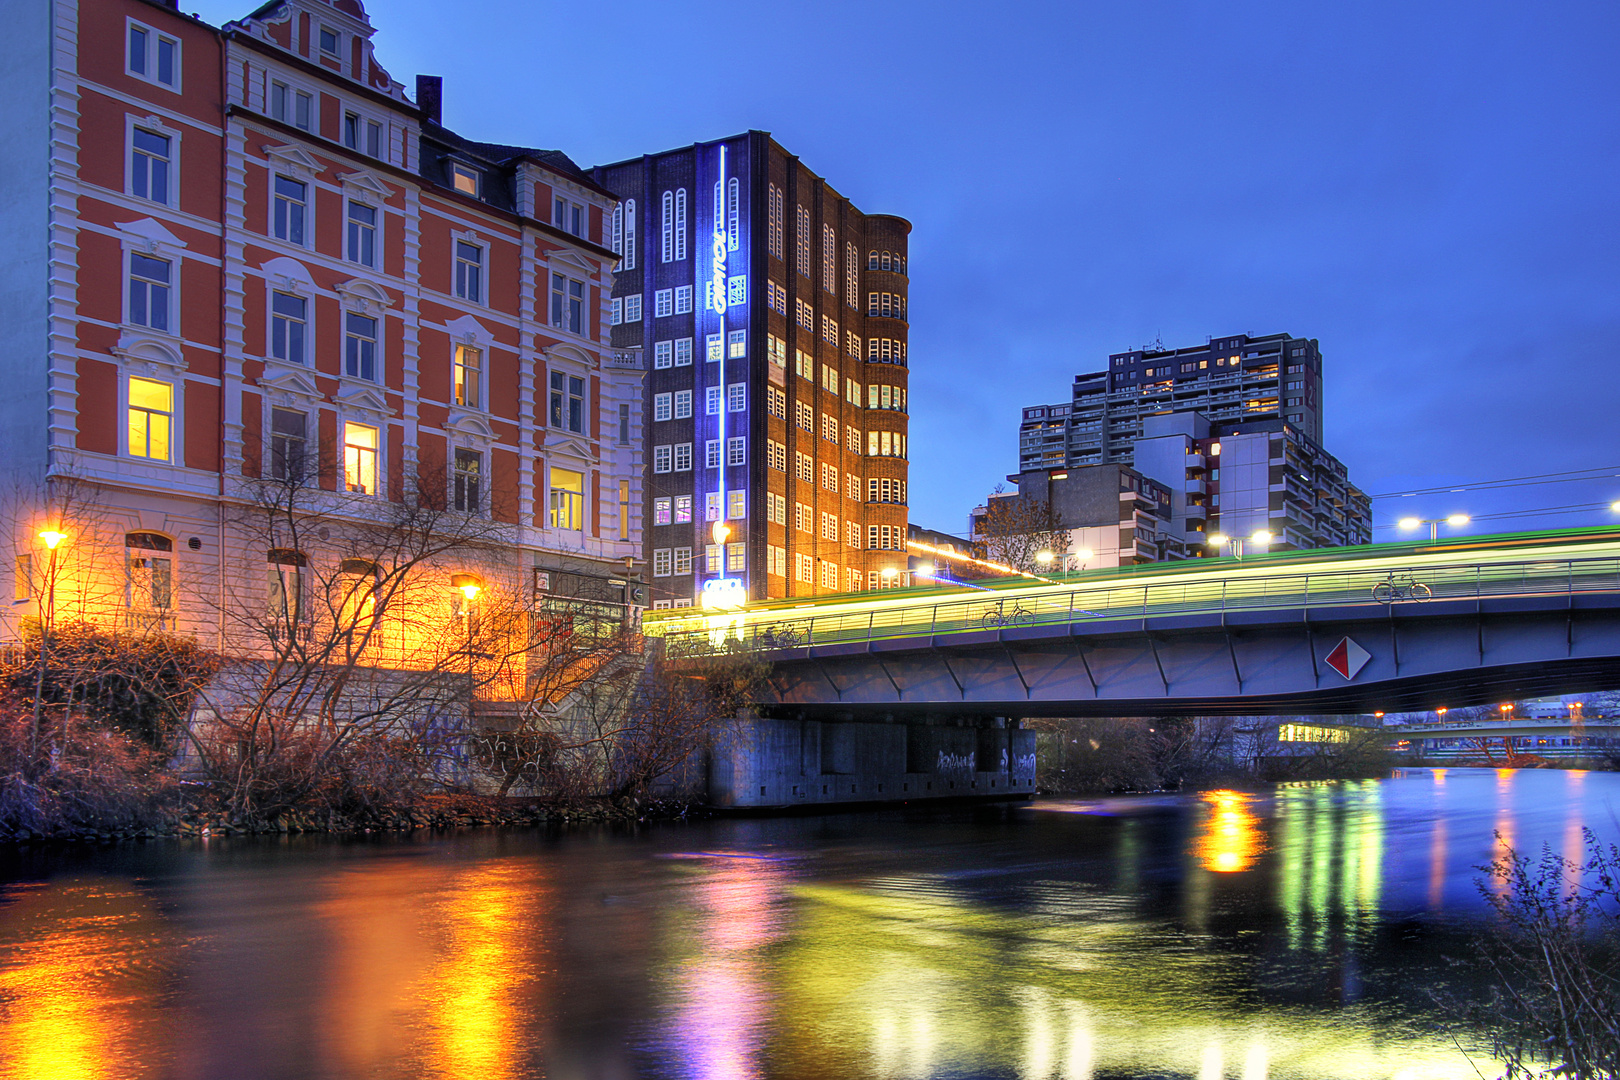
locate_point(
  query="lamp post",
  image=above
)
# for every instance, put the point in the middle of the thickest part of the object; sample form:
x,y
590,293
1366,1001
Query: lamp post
x,y
52,539
1454,520
1082,555
1260,537
469,587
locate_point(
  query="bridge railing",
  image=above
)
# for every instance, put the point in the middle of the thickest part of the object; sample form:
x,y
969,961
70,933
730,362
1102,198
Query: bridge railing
x,y
1083,603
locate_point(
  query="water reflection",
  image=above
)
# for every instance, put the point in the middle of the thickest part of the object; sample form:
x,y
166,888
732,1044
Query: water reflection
x,y
80,988
1331,837
1231,838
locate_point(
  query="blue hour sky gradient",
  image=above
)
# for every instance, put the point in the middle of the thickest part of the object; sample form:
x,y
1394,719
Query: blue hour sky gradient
x,y
1430,189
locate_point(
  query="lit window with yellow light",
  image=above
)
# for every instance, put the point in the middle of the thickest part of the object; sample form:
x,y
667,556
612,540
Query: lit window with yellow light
x,y
151,418
567,499
360,458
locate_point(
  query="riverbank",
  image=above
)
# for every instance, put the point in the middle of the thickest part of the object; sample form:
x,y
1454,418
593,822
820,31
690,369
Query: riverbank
x,y
435,812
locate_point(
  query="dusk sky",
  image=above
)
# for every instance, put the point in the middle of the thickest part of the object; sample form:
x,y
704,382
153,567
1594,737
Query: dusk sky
x,y
1428,189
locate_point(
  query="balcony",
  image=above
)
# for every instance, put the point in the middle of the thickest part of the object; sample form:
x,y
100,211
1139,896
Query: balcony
x,y
1195,485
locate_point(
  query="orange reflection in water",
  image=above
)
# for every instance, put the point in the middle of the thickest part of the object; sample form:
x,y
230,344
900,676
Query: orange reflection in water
x,y
77,985
1231,839
483,979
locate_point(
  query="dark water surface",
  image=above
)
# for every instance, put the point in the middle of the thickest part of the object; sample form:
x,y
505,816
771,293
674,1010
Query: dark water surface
x,y
1224,935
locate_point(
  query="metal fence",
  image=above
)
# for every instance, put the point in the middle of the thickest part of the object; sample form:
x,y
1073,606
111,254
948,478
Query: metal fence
x,y
883,619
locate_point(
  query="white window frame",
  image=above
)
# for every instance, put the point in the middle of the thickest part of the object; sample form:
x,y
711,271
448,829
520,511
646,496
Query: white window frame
x,y
662,458
176,420
309,208
156,126
683,405
663,355
663,303
683,299
683,453
302,292
663,407
376,263
683,352
294,92
175,261
150,59
483,246
632,311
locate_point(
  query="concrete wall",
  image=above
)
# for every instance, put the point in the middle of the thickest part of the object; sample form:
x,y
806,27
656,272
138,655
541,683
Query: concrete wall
x,y
775,763
1245,464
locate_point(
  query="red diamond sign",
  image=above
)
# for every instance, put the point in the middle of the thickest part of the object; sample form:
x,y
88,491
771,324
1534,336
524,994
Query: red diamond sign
x,y
1347,658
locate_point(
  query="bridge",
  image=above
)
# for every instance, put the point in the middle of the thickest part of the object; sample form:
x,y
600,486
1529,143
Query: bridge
x,y
1393,627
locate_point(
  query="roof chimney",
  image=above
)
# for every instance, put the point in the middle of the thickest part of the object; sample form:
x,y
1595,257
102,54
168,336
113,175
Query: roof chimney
x,y
430,96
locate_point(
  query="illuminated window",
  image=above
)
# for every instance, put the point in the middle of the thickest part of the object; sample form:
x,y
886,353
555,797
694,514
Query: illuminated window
x,y
360,458
683,509
362,234
683,561
736,504
290,211
805,568
661,562
469,271
469,376
151,419
466,480
737,344
149,291
360,347
288,325
567,499
464,179
713,349
829,574
736,558
661,511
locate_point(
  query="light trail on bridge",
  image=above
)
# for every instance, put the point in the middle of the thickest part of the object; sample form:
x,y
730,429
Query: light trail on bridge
x,y
1533,563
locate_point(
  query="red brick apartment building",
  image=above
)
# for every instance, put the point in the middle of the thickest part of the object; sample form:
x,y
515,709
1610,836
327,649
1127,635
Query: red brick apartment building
x,y
242,251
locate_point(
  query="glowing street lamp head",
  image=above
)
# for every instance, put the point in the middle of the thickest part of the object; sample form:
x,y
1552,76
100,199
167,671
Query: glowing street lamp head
x,y
52,537
1615,507
1085,553
1457,519
720,531
1261,537
1043,557
1408,523
889,571
1216,541
466,584
926,570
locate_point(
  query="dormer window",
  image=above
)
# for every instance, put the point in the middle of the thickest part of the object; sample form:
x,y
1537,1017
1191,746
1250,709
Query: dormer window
x,y
329,41
464,180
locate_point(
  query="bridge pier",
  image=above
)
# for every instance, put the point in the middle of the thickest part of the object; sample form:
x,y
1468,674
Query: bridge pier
x,y
778,762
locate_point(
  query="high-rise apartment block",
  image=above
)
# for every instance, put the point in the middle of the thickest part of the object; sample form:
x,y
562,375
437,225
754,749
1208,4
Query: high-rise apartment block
x,y
771,314
1272,378
1229,430
243,254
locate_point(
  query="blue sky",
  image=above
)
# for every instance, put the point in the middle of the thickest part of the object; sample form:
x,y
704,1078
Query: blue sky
x,y
1429,189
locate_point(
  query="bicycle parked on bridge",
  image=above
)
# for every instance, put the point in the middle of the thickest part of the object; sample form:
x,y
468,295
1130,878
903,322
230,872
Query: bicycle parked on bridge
x,y
1393,589
999,616
777,636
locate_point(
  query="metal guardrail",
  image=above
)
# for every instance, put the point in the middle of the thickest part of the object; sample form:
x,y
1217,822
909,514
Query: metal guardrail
x,y
1083,603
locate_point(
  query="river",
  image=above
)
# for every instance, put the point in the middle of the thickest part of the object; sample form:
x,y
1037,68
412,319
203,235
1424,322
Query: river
x,y
1288,933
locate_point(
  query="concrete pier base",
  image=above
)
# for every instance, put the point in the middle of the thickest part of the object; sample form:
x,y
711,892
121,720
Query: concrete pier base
x,y
774,763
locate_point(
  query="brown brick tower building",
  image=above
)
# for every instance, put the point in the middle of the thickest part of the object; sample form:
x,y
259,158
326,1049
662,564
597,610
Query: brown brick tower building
x,y
771,314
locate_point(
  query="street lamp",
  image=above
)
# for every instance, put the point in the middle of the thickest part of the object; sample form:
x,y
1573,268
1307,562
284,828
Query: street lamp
x,y
1220,540
1454,520
1082,555
52,539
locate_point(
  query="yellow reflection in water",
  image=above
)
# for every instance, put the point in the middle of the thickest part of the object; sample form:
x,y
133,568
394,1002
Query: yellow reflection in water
x,y
1231,839
78,982
1331,864
482,981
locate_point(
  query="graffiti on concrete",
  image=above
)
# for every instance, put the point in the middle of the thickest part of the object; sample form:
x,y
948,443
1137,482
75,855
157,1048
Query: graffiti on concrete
x,y
955,762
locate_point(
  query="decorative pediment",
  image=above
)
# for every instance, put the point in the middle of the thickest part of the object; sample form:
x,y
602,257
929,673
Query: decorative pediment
x,y
365,182
470,429
573,261
149,235
566,445
295,159
362,296
149,356
363,399
572,354
469,331
288,385
288,275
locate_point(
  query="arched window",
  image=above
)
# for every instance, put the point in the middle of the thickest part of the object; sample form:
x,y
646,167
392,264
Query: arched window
x,y
680,224
733,212
285,588
149,578
667,245
356,595
887,265
872,260
629,261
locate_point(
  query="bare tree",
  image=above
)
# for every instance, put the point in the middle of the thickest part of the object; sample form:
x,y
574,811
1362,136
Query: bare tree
x,y
1015,529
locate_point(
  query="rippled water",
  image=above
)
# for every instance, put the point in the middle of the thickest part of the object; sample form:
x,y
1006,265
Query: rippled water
x,y
1286,934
